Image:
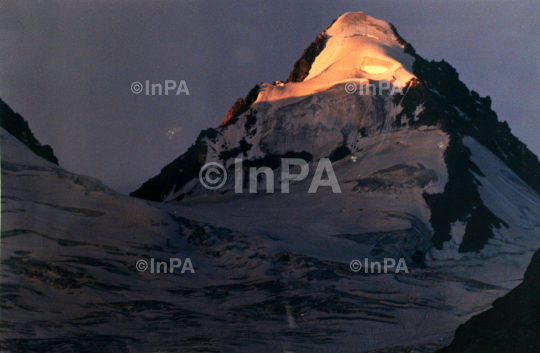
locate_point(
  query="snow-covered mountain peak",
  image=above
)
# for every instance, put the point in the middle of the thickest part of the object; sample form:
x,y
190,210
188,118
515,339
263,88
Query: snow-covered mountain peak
x,y
321,112
359,46
356,23
359,24
356,49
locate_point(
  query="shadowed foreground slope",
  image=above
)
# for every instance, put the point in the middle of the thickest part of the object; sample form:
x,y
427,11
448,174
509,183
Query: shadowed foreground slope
x,y
512,325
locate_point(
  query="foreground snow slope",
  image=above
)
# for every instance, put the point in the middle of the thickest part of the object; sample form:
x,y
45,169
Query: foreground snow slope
x,y
271,271
510,326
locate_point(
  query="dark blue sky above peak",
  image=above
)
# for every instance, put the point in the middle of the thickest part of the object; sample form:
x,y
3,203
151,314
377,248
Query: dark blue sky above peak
x,y
67,67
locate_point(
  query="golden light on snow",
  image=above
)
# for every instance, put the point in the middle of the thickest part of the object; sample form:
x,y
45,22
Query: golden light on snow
x,y
375,66
358,49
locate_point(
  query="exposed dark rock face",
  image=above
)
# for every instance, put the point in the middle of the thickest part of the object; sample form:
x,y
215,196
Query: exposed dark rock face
x,y
235,152
176,174
299,72
302,66
241,106
461,201
15,124
339,153
511,326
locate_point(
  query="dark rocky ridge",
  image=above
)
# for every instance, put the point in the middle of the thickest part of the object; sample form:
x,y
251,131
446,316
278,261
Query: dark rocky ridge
x,y
302,66
177,173
449,104
241,106
15,124
299,72
443,92
511,326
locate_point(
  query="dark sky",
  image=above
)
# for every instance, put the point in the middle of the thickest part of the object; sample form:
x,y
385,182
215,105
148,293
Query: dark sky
x,y
67,66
